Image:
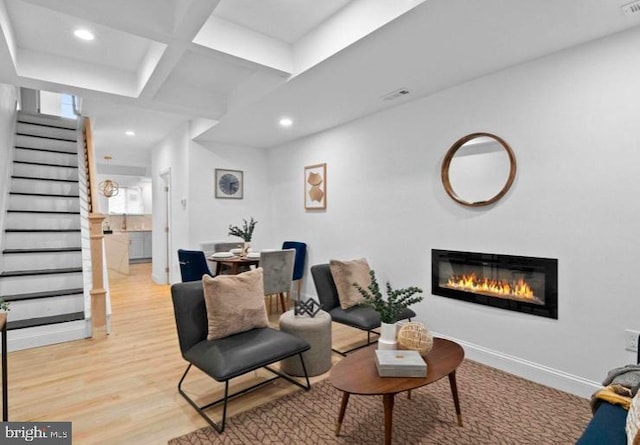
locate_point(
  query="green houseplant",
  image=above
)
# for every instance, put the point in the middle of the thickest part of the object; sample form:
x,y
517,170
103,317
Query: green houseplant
x,y
246,231
396,301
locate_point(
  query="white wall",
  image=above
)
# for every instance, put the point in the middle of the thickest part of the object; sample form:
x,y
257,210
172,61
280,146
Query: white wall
x,y
202,217
571,119
171,154
210,217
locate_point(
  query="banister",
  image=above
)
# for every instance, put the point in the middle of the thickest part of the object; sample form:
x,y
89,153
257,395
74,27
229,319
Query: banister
x,y
98,292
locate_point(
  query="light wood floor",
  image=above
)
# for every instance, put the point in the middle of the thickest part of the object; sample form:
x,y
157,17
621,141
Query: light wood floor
x,y
123,389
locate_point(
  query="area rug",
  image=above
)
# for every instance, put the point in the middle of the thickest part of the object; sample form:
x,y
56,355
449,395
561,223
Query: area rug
x,y
497,408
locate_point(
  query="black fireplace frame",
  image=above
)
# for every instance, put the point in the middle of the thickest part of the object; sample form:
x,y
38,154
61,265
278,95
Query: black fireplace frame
x,y
548,266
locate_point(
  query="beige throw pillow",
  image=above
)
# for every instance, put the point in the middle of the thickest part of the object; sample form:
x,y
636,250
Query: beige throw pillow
x,y
633,421
345,273
235,303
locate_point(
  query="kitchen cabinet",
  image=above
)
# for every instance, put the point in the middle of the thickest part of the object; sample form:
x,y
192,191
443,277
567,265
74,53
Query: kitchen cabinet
x,y
139,245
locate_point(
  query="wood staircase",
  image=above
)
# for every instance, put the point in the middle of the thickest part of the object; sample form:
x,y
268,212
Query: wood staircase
x,y
42,265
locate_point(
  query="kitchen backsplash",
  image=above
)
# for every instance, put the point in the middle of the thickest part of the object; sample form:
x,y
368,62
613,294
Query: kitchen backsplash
x,y
123,223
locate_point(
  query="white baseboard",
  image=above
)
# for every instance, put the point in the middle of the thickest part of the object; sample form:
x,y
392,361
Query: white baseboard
x,y
45,335
535,372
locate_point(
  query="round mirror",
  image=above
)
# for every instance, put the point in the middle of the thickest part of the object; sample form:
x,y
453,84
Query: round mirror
x,y
478,169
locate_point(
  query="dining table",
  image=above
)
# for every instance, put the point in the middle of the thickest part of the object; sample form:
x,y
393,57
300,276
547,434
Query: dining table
x,y
235,263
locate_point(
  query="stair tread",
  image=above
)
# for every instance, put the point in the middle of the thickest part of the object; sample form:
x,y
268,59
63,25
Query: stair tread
x,y
21,273
43,250
46,294
50,150
42,321
45,164
40,230
54,195
37,178
21,133
45,211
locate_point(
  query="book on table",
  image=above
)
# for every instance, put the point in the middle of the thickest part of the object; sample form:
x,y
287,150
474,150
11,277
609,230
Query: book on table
x,y
400,363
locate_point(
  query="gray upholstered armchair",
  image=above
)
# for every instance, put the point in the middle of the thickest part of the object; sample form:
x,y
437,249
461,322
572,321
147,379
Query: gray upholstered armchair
x,y
229,357
359,317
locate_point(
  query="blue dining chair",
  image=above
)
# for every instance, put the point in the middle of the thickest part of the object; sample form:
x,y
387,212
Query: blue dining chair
x,y
298,265
193,265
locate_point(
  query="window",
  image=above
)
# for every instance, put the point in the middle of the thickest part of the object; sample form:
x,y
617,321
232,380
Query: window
x,y
128,200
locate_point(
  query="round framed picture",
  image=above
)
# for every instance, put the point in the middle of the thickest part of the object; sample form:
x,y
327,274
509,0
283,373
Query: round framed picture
x,y
229,184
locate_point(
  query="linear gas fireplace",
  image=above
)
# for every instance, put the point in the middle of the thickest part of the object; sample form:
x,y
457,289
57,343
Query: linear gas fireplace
x,y
516,283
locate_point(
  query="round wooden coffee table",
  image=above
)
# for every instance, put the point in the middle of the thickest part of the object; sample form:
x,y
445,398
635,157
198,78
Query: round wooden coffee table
x,y
357,374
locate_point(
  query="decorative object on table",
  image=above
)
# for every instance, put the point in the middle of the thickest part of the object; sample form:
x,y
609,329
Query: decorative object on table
x,y
416,337
246,233
229,184
389,309
308,307
400,364
315,186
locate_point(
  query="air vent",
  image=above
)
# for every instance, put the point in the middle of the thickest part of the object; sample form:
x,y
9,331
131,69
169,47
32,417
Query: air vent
x,y
631,8
397,93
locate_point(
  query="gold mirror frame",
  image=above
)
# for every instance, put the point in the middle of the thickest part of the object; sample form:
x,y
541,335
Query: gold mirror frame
x,y
446,163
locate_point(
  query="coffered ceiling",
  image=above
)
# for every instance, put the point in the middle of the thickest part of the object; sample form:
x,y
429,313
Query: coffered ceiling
x,y
241,65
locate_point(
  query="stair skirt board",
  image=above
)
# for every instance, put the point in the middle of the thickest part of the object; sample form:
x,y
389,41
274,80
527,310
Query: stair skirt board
x,y
45,131
32,221
27,240
47,335
45,171
42,260
40,283
46,307
47,120
45,143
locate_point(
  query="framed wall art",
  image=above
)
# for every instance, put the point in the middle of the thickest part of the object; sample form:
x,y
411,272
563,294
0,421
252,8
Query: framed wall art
x,y
229,184
315,186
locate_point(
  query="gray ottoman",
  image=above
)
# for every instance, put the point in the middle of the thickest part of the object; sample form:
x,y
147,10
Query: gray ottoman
x,y
317,332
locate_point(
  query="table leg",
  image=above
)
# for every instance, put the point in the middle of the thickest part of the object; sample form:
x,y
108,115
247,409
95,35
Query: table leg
x,y
454,392
218,268
234,269
343,408
387,401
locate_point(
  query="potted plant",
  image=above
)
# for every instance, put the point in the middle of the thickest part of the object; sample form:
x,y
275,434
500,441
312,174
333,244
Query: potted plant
x,y
390,308
245,232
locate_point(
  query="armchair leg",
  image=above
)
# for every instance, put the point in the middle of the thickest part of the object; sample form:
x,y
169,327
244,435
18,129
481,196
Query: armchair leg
x,y
219,427
369,342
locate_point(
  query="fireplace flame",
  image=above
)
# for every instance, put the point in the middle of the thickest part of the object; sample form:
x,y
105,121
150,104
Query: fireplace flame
x,y
471,283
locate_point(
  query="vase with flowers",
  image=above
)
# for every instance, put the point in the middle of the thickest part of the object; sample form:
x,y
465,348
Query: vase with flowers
x,y
390,308
245,232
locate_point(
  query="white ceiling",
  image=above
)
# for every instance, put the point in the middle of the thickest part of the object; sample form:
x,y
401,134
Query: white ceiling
x,y
243,64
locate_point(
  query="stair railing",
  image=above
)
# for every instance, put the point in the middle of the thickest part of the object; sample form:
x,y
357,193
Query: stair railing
x,y
98,292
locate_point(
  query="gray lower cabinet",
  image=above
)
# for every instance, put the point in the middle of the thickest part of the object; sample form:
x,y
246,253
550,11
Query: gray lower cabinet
x,y
139,245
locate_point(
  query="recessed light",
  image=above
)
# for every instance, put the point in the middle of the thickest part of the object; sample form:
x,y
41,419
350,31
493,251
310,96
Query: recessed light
x,y
286,122
84,34
130,133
